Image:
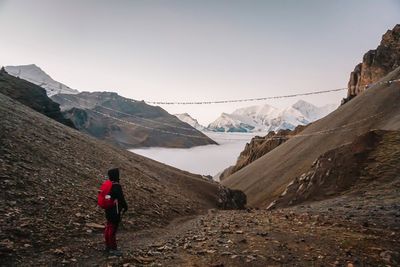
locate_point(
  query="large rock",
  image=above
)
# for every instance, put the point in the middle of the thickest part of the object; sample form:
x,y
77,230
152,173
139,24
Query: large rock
x,y
376,63
231,199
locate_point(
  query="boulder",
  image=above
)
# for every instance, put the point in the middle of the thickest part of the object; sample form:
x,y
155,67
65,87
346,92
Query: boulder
x,y
231,199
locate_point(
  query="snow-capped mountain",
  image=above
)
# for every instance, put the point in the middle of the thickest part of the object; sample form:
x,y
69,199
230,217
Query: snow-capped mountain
x,y
266,118
185,117
232,123
312,112
36,75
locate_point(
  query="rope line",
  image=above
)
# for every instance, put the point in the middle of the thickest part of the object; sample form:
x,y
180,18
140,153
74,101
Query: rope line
x,y
149,120
242,100
148,127
133,116
133,123
42,83
344,127
328,131
260,98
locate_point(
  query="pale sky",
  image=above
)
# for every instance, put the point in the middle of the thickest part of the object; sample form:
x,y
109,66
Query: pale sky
x,y
196,50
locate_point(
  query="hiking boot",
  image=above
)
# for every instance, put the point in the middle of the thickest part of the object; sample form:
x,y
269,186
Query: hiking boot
x,y
115,252
106,251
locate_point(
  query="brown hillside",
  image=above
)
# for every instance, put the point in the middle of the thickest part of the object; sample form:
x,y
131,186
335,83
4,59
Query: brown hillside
x,y
50,174
372,159
266,178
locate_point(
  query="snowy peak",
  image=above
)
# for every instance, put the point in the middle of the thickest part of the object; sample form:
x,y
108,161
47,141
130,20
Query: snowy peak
x,y
185,117
36,75
302,105
256,111
308,110
265,118
232,123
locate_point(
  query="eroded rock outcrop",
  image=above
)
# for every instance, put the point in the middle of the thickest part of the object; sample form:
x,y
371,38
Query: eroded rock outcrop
x,y
372,157
376,63
258,147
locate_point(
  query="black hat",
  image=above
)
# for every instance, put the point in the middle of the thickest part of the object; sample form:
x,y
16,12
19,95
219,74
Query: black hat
x,y
113,175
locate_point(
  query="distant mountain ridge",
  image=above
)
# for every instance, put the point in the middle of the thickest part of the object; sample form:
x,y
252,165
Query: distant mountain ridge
x,y
36,75
266,118
128,123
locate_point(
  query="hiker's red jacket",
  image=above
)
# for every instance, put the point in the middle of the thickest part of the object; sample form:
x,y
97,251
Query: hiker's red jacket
x,y
114,214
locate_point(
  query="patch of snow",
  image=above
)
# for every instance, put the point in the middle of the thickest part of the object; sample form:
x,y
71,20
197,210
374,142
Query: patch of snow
x,y
185,117
36,75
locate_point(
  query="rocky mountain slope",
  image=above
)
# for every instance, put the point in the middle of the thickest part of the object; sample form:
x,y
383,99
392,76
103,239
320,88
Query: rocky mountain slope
x,y
185,117
266,118
50,175
370,161
128,123
31,95
265,179
36,75
258,147
376,63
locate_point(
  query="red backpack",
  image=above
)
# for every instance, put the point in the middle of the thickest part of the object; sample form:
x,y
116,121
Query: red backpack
x,y
104,199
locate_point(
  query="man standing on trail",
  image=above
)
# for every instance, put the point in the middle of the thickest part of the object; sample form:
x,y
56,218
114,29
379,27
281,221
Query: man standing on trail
x,y
113,213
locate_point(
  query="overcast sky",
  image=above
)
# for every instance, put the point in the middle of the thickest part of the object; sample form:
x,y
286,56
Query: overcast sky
x,y
196,50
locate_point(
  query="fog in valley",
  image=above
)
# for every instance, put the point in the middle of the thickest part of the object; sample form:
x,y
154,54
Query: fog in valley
x,y
205,160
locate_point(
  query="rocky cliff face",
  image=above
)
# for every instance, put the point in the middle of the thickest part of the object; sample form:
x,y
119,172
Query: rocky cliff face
x,y
376,63
32,96
128,123
258,147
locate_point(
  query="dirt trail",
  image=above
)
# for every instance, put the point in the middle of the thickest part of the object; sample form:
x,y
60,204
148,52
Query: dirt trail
x,y
135,245
308,235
